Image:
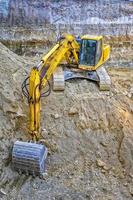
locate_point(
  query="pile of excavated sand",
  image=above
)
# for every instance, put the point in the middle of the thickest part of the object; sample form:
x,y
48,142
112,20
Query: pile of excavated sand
x,y
89,135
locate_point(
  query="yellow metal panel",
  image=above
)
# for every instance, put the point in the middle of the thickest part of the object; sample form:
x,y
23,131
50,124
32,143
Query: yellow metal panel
x,y
45,57
91,37
86,67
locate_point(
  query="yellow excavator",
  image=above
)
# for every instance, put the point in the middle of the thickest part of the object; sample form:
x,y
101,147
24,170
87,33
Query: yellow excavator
x,y
80,58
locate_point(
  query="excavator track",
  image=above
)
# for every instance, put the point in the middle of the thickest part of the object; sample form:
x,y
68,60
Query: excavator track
x,y
100,76
29,157
104,79
58,80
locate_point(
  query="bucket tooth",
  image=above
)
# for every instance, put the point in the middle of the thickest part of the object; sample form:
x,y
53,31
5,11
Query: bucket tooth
x,y
104,79
58,80
29,157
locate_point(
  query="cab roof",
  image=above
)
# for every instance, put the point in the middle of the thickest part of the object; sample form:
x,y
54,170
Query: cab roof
x,y
91,37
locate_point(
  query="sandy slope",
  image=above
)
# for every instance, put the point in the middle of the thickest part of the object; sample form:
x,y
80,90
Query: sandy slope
x,y
89,135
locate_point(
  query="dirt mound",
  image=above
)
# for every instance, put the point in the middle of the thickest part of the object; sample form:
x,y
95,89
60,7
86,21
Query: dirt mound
x,y
88,133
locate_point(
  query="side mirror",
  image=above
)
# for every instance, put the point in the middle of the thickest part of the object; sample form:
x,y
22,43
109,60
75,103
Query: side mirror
x,y
106,53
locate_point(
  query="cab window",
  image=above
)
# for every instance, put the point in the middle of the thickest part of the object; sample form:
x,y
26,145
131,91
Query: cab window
x,y
88,52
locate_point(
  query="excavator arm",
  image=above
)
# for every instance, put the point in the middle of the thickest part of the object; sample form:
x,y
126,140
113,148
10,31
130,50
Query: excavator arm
x,y
30,157
40,76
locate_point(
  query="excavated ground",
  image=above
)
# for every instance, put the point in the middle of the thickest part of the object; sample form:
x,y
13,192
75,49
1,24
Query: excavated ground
x,y
89,135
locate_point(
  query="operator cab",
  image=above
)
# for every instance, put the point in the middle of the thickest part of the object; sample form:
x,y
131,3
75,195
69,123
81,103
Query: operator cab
x,y
91,52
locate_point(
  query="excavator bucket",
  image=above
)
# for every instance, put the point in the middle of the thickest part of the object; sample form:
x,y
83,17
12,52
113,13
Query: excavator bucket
x,y
29,158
